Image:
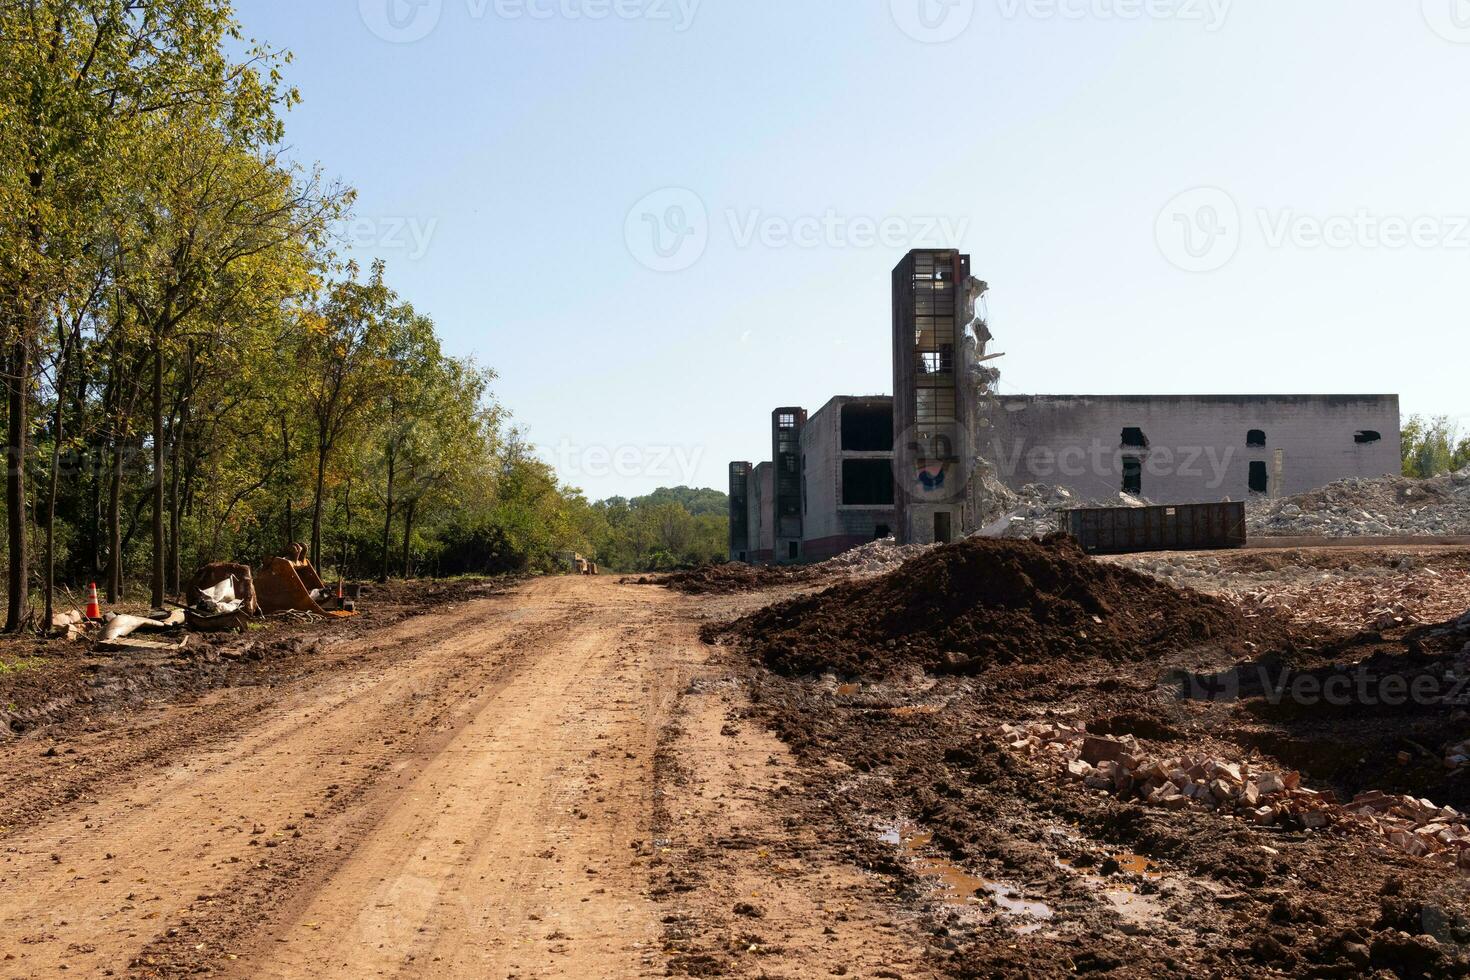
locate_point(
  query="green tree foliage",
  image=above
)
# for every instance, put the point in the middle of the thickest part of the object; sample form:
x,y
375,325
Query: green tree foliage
x,y
668,529
1432,446
191,373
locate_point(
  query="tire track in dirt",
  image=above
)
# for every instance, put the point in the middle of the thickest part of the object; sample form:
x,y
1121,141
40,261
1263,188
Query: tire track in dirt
x,y
99,879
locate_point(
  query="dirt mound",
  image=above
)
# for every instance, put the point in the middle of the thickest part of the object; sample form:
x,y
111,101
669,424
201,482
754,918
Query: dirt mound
x,y
982,602
730,578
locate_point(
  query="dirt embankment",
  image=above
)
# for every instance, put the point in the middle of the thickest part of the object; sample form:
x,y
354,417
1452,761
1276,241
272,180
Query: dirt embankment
x,y
984,603
1027,871
731,578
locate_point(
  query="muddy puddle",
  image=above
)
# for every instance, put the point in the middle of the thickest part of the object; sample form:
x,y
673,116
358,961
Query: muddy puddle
x,y
1134,906
958,888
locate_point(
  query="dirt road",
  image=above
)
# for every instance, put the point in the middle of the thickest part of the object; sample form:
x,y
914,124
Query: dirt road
x,y
551,782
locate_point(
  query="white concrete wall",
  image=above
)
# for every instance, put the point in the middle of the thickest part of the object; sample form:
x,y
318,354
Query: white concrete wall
x,y
762,512
830,526
1197,444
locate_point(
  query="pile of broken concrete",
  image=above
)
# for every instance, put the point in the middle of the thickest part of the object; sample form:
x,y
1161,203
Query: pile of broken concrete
x,y
1039,509
874,558
1386,507
1265,796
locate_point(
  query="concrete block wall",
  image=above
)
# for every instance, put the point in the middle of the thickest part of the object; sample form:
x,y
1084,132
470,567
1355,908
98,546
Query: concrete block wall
x,y
762,514
1198,447
832,527
740,540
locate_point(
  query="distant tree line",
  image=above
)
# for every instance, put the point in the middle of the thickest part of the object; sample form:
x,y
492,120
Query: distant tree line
x,y
668,529
1433,446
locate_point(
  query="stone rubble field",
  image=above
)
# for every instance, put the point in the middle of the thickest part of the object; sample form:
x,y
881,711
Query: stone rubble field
x,y
1390,506
1386,507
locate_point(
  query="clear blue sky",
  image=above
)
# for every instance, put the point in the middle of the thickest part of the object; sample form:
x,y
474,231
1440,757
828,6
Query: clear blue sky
x,y
500,156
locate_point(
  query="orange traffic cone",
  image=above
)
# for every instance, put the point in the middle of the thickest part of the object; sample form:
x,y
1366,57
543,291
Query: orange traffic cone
x,y
94,610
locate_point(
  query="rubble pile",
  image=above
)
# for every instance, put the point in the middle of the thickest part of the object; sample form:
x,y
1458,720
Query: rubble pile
x,y
1389,506
874,558
963,608
1349,591
1040,509
1259,794
1354,603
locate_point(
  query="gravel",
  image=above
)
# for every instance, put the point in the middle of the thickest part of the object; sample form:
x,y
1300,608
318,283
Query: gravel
x,y
1388,506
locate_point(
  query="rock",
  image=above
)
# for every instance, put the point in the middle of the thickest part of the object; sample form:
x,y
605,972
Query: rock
x,y
1096,749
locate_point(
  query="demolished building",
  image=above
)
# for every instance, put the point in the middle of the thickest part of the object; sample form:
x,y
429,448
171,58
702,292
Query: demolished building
x,y
928,464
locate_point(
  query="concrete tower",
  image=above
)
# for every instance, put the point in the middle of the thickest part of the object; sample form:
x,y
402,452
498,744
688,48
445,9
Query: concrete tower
x,y
933,303
786,426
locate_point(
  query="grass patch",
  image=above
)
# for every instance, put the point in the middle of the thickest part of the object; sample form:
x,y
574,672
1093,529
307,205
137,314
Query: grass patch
x,y
8,667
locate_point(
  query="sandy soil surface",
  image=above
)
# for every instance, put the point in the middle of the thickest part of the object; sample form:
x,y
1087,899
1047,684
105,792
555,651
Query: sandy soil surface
x,y
559,779
524,785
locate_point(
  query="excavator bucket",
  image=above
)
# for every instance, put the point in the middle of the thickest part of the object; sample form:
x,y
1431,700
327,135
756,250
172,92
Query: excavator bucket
x,y
279,588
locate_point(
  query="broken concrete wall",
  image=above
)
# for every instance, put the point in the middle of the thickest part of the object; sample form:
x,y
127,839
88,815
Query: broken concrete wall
x,y
847,473
762,513
1194,448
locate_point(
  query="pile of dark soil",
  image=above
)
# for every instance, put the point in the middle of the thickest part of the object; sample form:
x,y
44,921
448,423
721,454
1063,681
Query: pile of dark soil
x,y
983,602
731,578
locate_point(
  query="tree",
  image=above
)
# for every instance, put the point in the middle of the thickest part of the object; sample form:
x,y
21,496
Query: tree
x,y
1432,446
78,81
344,362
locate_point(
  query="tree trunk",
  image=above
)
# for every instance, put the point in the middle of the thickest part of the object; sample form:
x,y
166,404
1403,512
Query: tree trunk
x,y
286,467
174,573
388,519
57,435
18,579
114,523
408,538
158,481
316,503
347,537
180,432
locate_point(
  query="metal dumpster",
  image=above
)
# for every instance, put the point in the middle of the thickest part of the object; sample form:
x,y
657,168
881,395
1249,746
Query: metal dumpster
x,y
1183,527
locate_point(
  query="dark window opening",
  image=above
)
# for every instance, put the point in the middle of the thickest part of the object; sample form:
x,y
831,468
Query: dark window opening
x,y
742,556
1260,479
867,428
943,528
1256,439
794,550
1134,438
882,531
1367,437
1132,475
867,483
